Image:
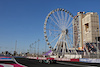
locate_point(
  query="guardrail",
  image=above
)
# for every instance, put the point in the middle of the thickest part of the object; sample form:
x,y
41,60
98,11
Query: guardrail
x,y
85,60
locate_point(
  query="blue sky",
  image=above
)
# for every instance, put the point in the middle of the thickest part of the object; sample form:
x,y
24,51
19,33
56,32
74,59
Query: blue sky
x,y
23,20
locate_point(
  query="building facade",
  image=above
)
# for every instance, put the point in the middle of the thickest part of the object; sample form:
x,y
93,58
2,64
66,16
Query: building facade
x,y
87,27
90,24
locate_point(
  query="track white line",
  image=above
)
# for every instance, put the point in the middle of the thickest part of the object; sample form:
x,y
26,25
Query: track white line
x,y
19,63
75,64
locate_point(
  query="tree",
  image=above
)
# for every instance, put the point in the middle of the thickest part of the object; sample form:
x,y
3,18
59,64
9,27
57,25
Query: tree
x,y
6,52
15,53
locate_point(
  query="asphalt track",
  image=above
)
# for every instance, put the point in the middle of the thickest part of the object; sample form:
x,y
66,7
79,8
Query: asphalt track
x,y
35,63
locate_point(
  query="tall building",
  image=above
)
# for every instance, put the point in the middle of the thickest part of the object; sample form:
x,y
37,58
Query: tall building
x,y
87,27
90,24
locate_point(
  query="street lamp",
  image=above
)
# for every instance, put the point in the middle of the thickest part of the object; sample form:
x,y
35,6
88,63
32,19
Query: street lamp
x,y
38,46
30,48
35,47
16,45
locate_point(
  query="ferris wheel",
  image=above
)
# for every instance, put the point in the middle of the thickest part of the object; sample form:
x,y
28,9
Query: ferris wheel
x,y
58,30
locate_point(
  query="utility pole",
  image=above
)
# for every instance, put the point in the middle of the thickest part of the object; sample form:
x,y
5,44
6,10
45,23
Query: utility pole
x,y
15,52
30,48
15,45
35,47
38,46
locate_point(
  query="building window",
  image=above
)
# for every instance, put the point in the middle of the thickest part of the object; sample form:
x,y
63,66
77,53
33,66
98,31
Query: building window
x,y
86,27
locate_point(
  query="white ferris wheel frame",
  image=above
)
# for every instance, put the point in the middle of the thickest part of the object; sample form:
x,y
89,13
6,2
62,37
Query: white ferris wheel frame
x,y
64,30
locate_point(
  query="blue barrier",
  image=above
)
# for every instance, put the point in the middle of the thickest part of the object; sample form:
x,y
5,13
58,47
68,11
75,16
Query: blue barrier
x,y
88,60
6,59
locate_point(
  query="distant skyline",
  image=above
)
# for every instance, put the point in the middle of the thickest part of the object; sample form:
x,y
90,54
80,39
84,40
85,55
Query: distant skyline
x,y
23,20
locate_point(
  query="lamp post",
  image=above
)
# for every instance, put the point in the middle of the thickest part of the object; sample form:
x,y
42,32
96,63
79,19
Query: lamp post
x,y
30,48
35,47
15,45
38,46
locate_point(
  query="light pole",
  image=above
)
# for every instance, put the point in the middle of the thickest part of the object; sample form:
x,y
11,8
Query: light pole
x,y
15,45
30,48
35,47
38,46
45,44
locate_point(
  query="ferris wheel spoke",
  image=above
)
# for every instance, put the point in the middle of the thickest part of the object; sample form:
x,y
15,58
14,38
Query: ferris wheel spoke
x,y
52,30
54,35
69,41
54,21
68,20
57,41
70,23
70,33
62,15
54,25
54,39
59,16
56,18
70,28
65,17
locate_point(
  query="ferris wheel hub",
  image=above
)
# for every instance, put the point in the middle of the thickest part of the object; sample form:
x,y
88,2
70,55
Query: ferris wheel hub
x,y
65,31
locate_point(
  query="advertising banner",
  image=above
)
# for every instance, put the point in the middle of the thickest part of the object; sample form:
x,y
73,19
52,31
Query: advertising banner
x,y
88,60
